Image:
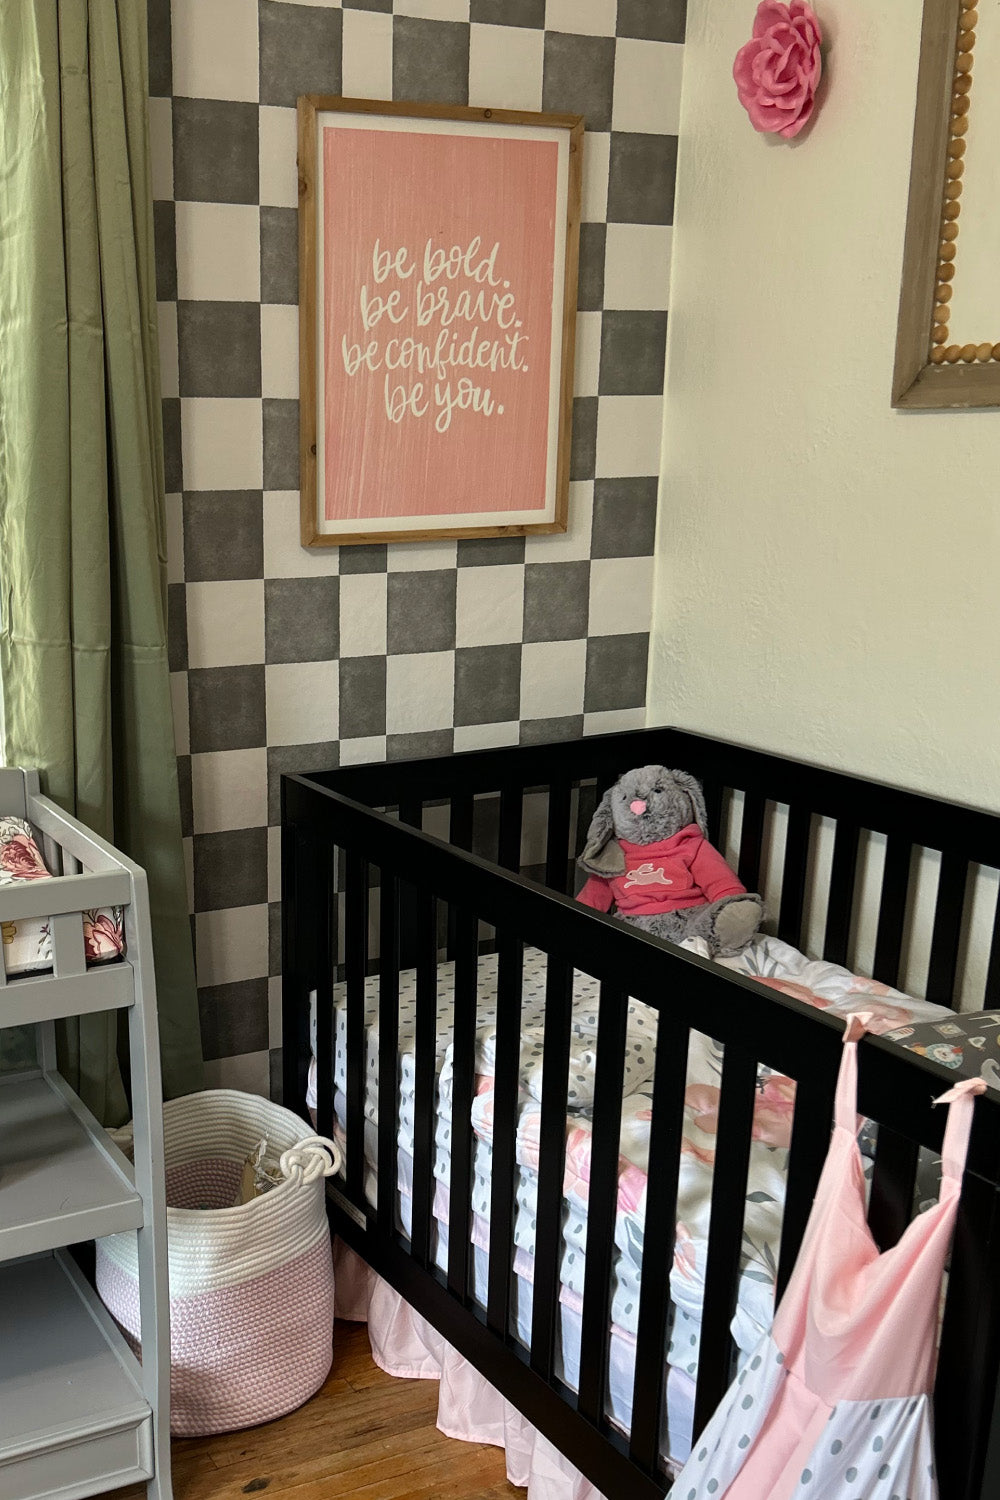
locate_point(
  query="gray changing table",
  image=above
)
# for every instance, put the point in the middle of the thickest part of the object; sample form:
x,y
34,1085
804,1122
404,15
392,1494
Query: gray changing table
x,y
78,1413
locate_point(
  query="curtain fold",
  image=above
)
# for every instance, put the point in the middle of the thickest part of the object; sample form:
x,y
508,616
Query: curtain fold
x,y
83,655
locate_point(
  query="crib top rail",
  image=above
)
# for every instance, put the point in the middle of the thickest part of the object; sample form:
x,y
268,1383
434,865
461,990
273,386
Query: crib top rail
x,y
758,803
895,1086
877,806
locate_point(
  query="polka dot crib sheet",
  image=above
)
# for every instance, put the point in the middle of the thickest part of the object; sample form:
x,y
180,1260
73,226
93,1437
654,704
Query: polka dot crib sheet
x,y
640,1053
769,961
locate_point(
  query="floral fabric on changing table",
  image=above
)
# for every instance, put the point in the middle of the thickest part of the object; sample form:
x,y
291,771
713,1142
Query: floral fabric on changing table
x,y
27,945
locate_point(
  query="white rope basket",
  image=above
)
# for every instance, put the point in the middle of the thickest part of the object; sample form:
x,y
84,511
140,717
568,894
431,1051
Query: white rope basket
x,y
251,1286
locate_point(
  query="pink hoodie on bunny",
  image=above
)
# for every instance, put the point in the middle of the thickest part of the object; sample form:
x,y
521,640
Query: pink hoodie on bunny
x,y
684,870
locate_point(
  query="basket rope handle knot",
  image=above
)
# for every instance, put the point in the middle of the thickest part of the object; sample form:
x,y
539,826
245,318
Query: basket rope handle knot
x,y
312,1157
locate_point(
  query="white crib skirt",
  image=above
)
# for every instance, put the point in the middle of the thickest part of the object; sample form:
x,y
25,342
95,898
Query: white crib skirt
x,y
404,1344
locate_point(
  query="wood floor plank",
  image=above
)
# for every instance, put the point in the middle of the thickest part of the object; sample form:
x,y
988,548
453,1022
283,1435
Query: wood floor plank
x,y
334,1473
353,1360
364,1436
358,1427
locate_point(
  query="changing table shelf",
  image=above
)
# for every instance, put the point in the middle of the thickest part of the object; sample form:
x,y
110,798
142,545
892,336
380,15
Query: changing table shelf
x,y
79,1413
73,1417
61,1181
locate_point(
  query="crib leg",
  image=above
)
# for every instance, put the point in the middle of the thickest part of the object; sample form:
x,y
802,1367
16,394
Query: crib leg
x,y
991,1473
967,1397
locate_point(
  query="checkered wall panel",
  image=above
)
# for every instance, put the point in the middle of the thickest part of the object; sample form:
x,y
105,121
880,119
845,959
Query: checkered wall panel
x,y
285,659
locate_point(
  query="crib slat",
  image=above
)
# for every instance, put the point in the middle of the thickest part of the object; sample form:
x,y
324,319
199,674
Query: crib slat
x,y
841,903
947,932
551,1164
319,867
511,811
890,1202
298,918
793,875
605,781
966,1391
460,820
991,989
411,812
713,808
460,837
751,840
892,911
586,805
665,1136
602,1201
811,1126
388,1050
355,963
557,868
425,1081
463,1093
722,1265
510,961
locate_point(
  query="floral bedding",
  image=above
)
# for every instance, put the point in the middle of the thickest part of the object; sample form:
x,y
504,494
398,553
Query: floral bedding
x,y
775,964
27,945
772,963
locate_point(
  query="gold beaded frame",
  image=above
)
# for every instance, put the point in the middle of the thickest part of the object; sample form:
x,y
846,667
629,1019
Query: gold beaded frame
x,y
930,371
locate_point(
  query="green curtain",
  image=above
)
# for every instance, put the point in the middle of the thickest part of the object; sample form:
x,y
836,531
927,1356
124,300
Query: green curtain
x,y
83,658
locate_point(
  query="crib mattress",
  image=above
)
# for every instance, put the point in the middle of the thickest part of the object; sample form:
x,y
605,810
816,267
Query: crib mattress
x,y
769,961
27,945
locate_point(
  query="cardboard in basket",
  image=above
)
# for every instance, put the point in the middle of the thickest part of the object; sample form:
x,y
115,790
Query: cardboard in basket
x,y
258,1176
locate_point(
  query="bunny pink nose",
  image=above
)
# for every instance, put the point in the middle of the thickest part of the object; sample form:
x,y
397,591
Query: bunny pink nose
x,y
638,806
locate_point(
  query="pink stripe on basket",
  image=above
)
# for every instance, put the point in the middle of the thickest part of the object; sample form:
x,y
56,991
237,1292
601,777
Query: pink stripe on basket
x,y
244,1354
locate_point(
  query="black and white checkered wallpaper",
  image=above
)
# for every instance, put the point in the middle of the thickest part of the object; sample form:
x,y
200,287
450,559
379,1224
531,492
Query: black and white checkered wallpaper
x,y
284,659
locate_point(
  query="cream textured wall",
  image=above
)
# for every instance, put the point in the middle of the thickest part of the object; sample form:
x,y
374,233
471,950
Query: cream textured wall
x,y
827,568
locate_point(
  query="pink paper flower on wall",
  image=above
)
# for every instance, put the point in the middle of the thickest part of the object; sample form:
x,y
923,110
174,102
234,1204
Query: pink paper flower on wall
x,y
778,70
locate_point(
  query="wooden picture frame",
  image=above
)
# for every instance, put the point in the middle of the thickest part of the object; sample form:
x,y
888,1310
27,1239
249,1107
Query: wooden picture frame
x,y
940,364
438,256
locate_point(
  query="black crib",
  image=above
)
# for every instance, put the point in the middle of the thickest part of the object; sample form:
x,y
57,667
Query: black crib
x,y
366,891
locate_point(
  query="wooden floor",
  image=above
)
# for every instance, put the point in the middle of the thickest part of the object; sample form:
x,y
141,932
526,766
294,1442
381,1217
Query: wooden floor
x,y
365,1436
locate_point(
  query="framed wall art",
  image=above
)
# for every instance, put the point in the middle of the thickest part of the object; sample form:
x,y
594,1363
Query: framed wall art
x,y
438,254
948,334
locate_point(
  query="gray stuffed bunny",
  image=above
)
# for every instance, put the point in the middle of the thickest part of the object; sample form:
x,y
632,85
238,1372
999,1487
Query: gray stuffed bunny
x,y
647,855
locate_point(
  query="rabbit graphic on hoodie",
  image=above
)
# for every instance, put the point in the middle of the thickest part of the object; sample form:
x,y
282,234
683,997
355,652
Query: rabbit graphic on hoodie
x,y
684,870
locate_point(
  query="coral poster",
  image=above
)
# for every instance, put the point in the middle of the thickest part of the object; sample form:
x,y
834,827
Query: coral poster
x,y
440,325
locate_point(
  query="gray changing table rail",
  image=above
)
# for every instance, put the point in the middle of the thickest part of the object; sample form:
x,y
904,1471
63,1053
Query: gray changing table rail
x,y
79,1414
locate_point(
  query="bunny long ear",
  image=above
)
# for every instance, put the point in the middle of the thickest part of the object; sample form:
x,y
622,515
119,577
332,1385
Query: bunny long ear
x,y
602,853
692,788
